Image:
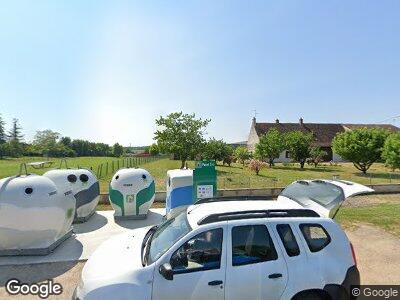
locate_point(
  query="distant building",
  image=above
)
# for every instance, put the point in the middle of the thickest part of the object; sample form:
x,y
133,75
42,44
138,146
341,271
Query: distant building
x,y
238,144
322,132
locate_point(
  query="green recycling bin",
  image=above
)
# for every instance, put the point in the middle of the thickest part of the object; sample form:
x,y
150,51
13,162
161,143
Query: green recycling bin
x,y
204,180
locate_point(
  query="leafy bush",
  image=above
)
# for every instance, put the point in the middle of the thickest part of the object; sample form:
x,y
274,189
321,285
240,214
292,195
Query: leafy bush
x,y
242,154
218,150
391,151
361,146
270,146
299,143
154,149
256,165
316,155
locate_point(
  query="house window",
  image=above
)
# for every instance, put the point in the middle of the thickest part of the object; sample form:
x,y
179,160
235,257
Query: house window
x,y
287,154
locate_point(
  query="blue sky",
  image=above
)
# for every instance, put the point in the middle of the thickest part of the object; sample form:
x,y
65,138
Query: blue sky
x,y
104,70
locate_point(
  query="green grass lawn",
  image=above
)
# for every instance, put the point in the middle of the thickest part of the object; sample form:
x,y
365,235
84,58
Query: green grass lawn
x,y
235,176
385,216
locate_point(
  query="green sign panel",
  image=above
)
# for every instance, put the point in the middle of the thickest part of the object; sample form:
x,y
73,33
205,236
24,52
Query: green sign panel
x,y
204,180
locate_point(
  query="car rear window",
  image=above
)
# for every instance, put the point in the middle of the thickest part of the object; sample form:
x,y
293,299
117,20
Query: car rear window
x,y
324,193
288,239
251,244
316,236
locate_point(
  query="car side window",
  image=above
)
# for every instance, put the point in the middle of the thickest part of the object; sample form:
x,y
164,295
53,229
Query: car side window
x,y
316,236
288,239
200,253
251,244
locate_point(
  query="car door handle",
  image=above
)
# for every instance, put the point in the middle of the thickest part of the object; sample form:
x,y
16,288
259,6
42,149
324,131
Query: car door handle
x,y
275,275
215,282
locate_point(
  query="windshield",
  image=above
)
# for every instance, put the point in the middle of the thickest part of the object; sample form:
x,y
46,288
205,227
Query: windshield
x,y
166,235
324,193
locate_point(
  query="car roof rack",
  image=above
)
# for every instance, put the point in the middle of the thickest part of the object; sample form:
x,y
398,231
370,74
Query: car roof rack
x,y
343,181
258,214
233,198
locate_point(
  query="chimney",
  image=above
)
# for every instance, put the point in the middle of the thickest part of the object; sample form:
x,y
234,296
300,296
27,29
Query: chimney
x,y
277,121
301,121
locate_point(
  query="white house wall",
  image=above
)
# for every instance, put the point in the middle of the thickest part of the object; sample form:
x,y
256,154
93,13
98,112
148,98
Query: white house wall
x,y
253,138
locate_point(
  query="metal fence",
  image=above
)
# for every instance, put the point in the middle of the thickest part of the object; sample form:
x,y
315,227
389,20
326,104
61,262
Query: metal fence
x,y
110,167
239,181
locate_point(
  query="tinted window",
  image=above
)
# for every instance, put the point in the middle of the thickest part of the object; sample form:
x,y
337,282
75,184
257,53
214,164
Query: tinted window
x,y
167,234
202,252
288,239
324,193
251,244
316,236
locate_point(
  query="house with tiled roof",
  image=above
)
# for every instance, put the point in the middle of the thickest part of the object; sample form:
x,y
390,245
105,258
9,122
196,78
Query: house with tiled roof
x,y
323,134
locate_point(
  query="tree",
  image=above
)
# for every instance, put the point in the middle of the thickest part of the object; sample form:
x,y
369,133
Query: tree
x,y
118,150
14,139
217,150
227,155
361,146
3,138
228,159
154,149
14,133
270,146
317,155
15,148
4,150
48,143
180,134
86,148
66,141
256,165
391,151
45,141
242,154
298,144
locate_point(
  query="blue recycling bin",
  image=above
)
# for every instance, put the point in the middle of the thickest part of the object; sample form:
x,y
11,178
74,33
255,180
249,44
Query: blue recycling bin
x,y
179,189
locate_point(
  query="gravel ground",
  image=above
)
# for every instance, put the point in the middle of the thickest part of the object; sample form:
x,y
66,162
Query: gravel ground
x,y
368,200
377,254
65,273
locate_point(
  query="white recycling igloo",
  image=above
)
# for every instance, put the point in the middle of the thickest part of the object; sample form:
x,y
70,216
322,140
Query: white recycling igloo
x,y
131,193
84,186
34,216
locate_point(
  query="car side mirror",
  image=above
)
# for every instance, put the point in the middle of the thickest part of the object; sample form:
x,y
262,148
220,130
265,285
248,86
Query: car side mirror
x,y
166,271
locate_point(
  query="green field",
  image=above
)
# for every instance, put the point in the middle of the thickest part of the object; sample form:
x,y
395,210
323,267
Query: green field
x,y
384,215
235,176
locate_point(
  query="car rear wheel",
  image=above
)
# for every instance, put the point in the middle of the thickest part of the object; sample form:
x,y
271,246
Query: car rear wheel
x,y
312,295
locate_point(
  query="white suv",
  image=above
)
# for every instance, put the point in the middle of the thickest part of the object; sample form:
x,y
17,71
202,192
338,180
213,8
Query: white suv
x,y
233,248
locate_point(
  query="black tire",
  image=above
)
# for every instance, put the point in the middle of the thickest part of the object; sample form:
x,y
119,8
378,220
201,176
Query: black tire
x,y
312,295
